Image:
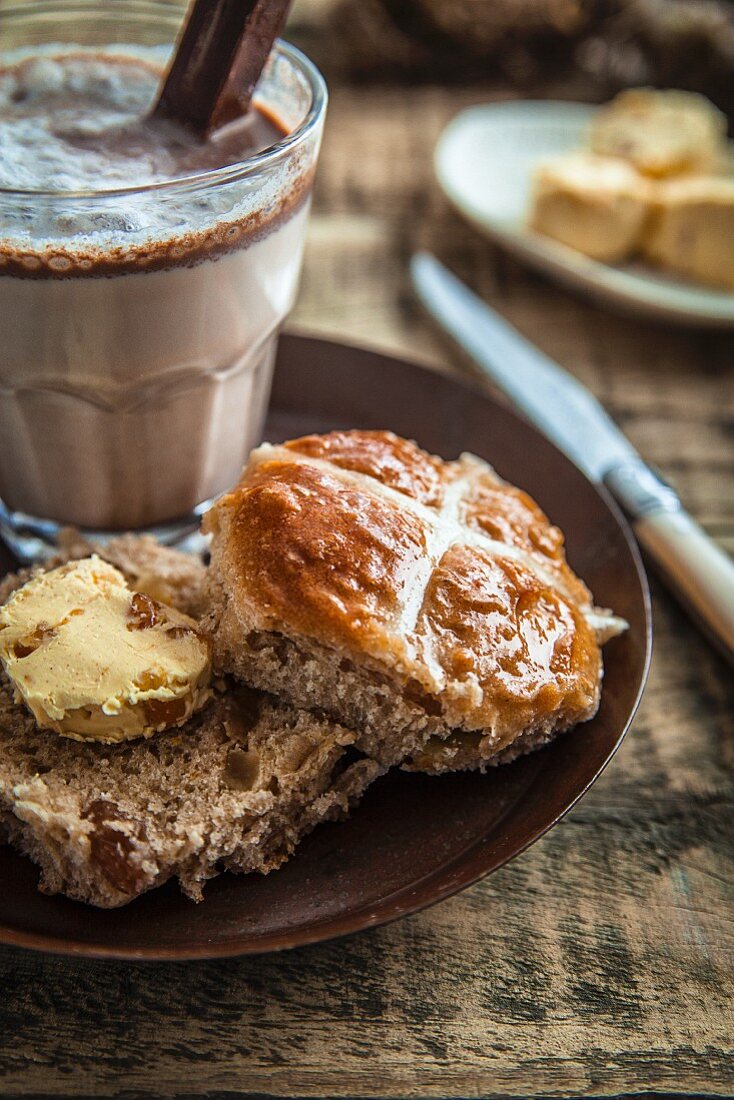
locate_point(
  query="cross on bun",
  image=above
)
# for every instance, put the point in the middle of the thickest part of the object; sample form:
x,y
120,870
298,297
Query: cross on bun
x,y
415,600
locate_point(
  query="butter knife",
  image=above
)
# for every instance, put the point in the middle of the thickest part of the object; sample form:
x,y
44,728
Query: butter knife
x,y
699,573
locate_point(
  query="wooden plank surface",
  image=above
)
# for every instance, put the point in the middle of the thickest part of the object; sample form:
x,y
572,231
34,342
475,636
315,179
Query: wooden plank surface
x,y
599,963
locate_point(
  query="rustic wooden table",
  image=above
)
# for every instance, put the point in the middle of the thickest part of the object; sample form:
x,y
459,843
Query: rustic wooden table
x,y
600,962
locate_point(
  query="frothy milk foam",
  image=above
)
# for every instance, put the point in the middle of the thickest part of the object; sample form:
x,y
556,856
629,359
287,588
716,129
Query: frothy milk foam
x,y
138,327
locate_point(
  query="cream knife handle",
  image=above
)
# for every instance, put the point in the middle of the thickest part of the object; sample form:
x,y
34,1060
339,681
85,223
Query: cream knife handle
x,y
699,573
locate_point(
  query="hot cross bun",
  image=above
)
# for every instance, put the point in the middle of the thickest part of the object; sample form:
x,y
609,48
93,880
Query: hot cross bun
x,y
413,599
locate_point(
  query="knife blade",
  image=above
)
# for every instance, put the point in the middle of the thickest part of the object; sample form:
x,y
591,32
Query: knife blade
x,y
699,572
554,400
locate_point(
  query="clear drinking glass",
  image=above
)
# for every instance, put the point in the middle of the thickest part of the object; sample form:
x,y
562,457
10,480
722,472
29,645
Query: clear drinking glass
x,y
139,325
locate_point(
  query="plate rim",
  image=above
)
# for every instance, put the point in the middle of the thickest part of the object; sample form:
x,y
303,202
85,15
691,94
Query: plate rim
x,y
601,282
325,930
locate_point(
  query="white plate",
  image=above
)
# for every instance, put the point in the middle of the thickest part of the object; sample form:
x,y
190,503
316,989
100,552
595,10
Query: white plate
x,y
484,161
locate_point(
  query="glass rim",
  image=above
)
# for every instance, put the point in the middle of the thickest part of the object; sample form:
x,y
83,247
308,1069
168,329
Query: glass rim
x,y
251,165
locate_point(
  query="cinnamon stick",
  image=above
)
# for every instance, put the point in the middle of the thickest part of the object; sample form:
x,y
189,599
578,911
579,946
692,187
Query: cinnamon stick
x,y
218,61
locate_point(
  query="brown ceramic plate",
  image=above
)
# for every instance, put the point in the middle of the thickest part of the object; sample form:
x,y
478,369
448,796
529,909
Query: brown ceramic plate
x,y
414,839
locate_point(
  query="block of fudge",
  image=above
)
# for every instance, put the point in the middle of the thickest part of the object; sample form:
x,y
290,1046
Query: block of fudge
x,y
595,204
691,230
660,133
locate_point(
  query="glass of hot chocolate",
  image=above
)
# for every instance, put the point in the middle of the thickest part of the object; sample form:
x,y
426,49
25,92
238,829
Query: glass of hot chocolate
x,y
144,274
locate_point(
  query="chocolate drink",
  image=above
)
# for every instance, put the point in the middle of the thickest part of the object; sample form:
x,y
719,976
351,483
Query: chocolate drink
x,y
139,314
